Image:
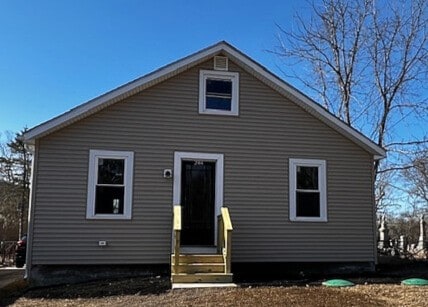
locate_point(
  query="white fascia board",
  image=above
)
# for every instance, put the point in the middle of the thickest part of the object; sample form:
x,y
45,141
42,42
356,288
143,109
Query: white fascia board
x,y
187,62
112,96
308,103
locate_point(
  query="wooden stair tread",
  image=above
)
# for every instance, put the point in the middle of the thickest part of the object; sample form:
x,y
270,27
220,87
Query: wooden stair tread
x,y
197,274
200,268
201,263
199,259
202,278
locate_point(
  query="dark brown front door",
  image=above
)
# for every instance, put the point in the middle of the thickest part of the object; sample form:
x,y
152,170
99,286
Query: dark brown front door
x,y
197,200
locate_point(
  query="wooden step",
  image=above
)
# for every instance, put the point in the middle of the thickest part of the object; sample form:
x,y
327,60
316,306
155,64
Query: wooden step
x,y
200,268
215,258
201,278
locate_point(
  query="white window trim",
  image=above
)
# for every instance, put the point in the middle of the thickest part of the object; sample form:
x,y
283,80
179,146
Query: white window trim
x,y
220,75
94,155
322,182
180,156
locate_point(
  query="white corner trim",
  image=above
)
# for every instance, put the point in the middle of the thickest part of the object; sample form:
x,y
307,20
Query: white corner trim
x,y
31,212
220,75
322,182
128,157
180,156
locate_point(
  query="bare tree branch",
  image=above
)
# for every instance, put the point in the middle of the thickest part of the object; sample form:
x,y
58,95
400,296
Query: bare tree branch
x,y
366,61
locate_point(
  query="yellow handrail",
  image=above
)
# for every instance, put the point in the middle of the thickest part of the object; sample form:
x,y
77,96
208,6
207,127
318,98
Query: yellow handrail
x,y
226,218
177,217
225,237
177,230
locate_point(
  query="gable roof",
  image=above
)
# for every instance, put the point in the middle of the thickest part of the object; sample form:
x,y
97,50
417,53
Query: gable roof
x,y
168,71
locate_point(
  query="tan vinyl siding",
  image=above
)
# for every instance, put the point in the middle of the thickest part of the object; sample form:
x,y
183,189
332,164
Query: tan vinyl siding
x,y
256,147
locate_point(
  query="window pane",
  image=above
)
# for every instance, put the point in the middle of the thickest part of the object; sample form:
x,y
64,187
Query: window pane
x,y
109,200
307,178
218,103
308,204
219,87
110,171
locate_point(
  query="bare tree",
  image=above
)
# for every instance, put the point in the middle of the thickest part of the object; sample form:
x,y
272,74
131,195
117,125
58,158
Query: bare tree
x,y
329,45
9,214
366,61
15,169
417,179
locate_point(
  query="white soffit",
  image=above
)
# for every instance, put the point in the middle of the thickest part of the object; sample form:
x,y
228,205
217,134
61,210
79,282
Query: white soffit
x,y
181,65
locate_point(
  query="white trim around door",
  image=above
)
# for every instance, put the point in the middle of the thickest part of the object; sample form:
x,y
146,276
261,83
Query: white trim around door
x,y
180,156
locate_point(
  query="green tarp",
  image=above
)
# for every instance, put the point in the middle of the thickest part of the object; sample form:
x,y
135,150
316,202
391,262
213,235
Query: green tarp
x,y
415,282
338,283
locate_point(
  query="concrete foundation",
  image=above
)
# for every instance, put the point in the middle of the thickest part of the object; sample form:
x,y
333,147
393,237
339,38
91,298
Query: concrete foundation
x,y
44,275
288,270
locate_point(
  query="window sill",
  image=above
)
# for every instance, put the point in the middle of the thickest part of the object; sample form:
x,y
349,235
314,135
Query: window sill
x,y
108,217
218,112
309,219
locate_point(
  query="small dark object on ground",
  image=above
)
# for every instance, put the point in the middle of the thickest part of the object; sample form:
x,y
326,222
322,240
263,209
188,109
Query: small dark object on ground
x,y
21,252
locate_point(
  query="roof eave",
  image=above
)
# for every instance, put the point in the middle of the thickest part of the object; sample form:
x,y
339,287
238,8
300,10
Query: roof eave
x,y
175,68
126,90
309,105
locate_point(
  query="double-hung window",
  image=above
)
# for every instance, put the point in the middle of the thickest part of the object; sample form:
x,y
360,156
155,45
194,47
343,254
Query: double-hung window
x,y
110,184
308,195
218,92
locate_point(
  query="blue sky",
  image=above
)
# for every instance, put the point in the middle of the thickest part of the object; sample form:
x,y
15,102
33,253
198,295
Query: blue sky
x,y
55,55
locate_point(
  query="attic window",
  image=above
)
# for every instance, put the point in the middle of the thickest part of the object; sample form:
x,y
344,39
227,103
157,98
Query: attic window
x,y
218,92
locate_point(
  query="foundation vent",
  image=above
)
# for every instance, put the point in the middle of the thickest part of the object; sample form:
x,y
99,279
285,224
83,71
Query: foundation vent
x,y
220,63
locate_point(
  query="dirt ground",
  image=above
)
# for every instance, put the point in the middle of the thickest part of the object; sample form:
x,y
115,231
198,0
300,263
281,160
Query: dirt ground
x,y
381,288
156,292
10,274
